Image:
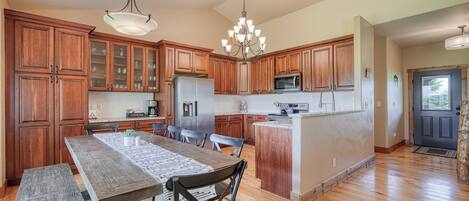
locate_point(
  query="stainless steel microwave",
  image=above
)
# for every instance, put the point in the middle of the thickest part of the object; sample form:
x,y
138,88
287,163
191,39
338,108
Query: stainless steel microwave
x,y
287,83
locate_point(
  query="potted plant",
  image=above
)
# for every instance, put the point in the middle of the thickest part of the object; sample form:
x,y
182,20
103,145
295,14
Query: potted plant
x,y
129,137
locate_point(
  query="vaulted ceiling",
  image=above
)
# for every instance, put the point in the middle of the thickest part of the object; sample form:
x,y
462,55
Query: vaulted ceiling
x,y
258,10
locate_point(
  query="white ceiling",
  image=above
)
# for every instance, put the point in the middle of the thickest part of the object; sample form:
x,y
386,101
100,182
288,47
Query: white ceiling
x,y
258,10
426,28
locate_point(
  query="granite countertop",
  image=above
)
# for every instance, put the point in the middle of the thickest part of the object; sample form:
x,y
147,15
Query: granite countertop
x,y
115,119
318,114
275,124
241,113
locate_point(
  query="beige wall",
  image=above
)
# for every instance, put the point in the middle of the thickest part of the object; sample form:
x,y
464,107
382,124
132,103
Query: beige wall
x,y
430,55
333,18
380,90
203,28
3,4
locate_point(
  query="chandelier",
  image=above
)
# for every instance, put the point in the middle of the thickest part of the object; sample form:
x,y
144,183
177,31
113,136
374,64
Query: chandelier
x,y
458,42
244,39
130,20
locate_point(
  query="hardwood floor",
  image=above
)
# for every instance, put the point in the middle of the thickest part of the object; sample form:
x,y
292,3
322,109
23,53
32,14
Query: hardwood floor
x,y
401,175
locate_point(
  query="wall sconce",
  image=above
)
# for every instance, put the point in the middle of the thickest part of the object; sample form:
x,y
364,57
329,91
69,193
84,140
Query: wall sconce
x,y
396,79
367,72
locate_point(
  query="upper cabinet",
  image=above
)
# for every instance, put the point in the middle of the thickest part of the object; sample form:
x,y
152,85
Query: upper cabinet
x,y
188,61
281,63
224,72
322,66
183,61
44,49
244,77
200,62
262,75
99,61
120,66
343,66
152,72
138,71
288,63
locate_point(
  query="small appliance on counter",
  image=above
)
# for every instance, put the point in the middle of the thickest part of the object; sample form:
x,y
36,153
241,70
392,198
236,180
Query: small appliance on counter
x,y
288,108
92,114
130,113
243,106
152,108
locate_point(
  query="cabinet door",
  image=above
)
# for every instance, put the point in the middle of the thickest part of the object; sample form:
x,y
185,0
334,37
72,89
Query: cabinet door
x,y
169,63
71,52
71,98
34,47
120,67
62,155
168,101
270,75
306,70
263,75
183,61
226,81
201,62
343,66
294,62
99,65
236,129
322,68
217,75
254,77
244,78
33,121
234,78
152,80
248,135
281,63
138,72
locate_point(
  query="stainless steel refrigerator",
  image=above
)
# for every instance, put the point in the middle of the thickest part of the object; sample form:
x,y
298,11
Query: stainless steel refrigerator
x,y
194,104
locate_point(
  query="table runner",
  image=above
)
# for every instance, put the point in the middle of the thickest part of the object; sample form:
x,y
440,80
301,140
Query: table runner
x,y
160,163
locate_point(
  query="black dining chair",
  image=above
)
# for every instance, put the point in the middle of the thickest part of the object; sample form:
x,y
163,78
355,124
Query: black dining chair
x,y
236,143
173,132
157,127
189,136
92,128
181,184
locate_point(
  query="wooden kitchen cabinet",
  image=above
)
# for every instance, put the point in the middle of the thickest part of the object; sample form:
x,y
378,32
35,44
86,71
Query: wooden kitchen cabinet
x,y
152,72
343,66
322,68
168,63
254,77
263,76
225,76
281,63
62,155
138,74
288,63
306,70
99,79
233,77
120,66
249,131
244,78
71,49
200,62
188,61
229,125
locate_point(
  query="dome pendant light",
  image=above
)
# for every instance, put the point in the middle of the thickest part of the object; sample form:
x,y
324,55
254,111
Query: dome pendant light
x,y
130,20
458,42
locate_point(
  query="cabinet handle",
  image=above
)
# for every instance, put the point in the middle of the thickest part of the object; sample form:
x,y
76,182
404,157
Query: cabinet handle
x,y
56,68
51,79
57,79
52,68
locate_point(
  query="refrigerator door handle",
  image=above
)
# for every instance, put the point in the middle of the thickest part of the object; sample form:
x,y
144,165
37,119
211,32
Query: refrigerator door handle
x,y
196,109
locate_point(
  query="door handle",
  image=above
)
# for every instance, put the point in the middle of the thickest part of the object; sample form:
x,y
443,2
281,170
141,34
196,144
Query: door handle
x,y
196,109
458,113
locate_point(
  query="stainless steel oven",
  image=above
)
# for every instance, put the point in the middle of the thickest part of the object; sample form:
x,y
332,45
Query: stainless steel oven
x,y
287,83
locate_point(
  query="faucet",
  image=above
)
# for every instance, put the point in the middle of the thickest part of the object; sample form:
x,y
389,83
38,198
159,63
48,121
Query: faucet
x,y
322,104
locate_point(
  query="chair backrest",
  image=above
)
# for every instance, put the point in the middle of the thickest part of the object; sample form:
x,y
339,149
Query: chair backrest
x,y
174,132
159,127
188,136
91,128
236,143
181,184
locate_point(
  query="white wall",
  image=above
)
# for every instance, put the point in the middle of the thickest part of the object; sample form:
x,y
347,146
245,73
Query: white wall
x,y
115,104
3,4
333,18
430,55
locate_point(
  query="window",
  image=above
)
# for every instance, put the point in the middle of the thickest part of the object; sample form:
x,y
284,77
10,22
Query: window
x,y
435,92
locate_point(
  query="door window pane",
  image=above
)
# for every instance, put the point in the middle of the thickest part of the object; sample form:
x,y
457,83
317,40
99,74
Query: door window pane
x,y
435,92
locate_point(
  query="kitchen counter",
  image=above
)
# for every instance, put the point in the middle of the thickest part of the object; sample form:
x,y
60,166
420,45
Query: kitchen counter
x,y
241,113
318,114
275,124
116,119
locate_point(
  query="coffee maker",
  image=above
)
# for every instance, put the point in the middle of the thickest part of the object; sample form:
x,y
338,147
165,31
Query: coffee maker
x,y
152,108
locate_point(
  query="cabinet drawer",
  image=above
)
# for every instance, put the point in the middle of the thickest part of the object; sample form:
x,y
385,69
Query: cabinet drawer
x,y
235,117
221,118
123,125
250,117
147,123
261,118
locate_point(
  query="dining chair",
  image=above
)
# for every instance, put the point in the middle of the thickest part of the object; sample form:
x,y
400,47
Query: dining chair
x,y
236,143
91,128
158,127
181,184
173,132
188,136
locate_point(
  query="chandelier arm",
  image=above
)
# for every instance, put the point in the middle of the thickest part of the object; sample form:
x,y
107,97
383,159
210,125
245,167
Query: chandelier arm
x,y
138,10
125,7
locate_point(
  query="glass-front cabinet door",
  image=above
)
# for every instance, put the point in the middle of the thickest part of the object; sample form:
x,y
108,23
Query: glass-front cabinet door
x,y
152,70
120,67
99,78
138,73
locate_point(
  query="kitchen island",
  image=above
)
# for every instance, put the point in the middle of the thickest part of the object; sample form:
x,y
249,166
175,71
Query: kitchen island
x,y
274,156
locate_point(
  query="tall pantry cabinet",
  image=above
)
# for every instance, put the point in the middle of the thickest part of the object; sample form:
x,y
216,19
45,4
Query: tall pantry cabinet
x,y
46,89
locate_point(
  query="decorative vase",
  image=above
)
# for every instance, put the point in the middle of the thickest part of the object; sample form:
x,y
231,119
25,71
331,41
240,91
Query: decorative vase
x,y
129,141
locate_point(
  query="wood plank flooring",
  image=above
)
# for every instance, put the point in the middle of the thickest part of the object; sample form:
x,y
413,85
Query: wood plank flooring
x,y
401,175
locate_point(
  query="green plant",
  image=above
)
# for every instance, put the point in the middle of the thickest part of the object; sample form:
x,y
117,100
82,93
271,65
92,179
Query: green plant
x,y
129,133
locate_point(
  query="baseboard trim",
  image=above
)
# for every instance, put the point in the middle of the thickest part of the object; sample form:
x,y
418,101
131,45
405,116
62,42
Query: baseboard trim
x,y
332,182
3,189
390,149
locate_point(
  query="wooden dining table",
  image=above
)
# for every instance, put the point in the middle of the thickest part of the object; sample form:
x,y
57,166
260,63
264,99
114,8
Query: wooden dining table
x,y
108,175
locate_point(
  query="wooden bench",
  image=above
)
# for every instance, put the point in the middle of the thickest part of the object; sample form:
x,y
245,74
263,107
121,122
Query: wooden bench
x,y
54,183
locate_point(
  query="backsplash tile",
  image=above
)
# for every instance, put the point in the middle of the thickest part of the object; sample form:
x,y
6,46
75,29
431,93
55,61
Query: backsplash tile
x,y
115,104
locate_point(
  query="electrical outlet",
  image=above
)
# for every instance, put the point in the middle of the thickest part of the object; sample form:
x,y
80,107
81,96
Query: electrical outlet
x,y
394,135
334,162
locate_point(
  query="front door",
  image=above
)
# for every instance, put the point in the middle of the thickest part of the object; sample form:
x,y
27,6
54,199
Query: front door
x,y
437,100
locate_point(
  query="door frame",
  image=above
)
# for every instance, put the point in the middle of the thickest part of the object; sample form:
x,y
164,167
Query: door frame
x,y
410,91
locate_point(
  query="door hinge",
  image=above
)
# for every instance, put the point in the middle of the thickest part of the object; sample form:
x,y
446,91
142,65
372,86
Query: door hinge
x,y
412,81
412,108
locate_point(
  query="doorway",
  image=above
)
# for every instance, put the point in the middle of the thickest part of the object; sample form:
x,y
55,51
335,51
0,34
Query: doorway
x,y
436,105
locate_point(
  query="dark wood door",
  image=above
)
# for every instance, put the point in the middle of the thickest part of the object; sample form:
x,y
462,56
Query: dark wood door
x,y
436,105
225,86
270,75
71,100
169,63
99,79
263,75
321,62
200,62
294,62
217,75
71,49
62,155
34,141
343,66
183,61
236,129
306,70
281,63
34,47
249,134
233,76
254,77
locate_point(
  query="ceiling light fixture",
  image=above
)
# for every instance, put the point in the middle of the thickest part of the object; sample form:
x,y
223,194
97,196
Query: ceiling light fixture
x,y
244,38
130,20
458,42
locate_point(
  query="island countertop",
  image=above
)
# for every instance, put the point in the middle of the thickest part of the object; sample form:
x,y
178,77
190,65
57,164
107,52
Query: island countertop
x,y
275,124
117,119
